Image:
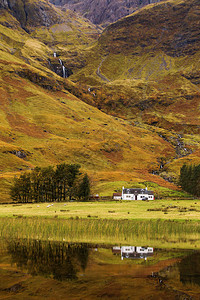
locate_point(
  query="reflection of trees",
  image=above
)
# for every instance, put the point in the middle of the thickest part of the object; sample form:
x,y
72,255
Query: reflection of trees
x,y
189,268
60,260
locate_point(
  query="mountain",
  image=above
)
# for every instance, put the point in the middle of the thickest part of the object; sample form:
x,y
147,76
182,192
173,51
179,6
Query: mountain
x,y
160,45
145,68
47,119
103,11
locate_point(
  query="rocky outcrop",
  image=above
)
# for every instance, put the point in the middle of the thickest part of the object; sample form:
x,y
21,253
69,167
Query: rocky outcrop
x,y
3,3
32,13
193,76
103,11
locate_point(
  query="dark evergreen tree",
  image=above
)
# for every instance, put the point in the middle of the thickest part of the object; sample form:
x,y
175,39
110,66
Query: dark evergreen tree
x,y
61,176
47,183
84,189
183,176
21,190
189,179
72,175
36,179
15,191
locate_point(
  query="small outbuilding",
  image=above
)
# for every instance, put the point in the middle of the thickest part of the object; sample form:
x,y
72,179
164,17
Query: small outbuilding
x,y
94,197
117,196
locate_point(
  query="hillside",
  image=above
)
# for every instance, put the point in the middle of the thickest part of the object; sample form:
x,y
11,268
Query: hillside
x,y
146,69
45,119
101,11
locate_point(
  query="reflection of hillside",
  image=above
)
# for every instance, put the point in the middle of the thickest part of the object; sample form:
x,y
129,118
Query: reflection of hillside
x,y
62,261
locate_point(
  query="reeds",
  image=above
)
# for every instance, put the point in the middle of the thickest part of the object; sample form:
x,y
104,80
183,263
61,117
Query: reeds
x,y
157,232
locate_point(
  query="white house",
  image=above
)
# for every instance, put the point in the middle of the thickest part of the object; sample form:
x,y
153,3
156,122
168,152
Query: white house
x,y
137,194
133,252
136,252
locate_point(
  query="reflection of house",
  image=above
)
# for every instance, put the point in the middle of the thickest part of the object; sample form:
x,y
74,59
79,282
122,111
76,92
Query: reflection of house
x,y
117,196
116,250
133,252
137,194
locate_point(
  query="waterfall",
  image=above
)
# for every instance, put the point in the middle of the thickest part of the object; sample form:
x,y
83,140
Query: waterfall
x,y
64,72
54,55
63,68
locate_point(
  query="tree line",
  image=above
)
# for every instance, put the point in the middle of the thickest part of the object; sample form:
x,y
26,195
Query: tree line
x,y
189,179
51,184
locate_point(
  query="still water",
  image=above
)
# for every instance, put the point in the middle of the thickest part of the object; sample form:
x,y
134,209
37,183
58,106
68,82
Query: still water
x,y
34,269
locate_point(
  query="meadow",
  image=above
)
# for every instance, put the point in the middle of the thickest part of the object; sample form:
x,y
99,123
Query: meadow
x,y
161,223
167,209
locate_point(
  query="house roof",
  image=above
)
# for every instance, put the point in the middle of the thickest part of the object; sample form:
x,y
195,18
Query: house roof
x,y
117,194
137,191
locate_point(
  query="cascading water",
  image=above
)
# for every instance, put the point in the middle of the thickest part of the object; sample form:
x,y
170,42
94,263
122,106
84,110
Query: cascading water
x,y
63,68
64,72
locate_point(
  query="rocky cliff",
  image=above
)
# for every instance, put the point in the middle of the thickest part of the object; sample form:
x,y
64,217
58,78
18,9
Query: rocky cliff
x,y
103,11
32,13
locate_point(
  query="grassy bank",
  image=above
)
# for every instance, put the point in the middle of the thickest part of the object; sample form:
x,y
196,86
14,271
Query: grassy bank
x,y
156,233
160,223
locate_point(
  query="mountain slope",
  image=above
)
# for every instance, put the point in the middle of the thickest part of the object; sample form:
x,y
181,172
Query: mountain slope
x,y
101,11
42,20
44,127
146,68
44,121
154,54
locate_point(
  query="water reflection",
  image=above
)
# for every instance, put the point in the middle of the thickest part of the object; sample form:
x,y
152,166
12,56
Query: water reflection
x,y
60,261
133,252
65,261
189,269
93,269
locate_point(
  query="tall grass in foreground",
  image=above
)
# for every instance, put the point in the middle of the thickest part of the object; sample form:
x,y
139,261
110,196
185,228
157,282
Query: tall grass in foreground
x,y
156,233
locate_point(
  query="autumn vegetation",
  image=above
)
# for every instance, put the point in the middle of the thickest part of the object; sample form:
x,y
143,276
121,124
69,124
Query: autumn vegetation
x,y
140,126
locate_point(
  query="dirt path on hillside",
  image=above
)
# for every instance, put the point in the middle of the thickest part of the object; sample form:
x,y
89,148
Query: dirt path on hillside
x,y
99,73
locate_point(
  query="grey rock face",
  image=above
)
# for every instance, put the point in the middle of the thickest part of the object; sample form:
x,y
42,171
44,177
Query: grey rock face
x,y
103,11
3,4
32,14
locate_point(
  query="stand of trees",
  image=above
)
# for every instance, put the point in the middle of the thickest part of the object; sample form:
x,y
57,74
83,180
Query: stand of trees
x,y
48,184
189,179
